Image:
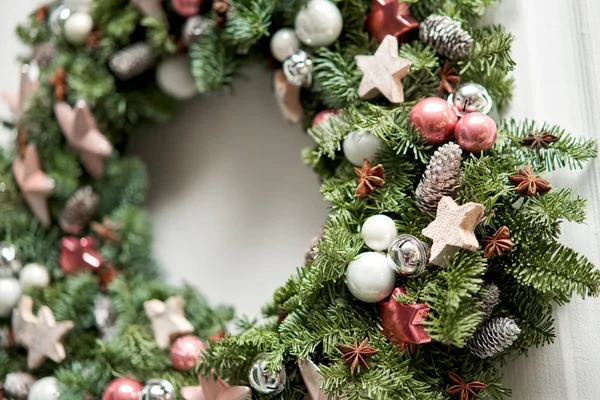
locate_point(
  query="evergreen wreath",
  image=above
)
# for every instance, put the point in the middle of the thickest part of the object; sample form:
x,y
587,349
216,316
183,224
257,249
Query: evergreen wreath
x,y
91,315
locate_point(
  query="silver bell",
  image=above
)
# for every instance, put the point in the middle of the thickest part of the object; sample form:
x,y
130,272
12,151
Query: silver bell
x,y
470,98
264,381
298,69
408,256
157,389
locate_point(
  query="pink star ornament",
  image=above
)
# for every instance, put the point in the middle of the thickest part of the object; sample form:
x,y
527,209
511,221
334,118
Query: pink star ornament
x,y
215,389
16,100
79,127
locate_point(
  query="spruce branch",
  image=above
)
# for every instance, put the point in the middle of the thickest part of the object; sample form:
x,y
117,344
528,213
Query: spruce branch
x,y
336,79
248,22
213,64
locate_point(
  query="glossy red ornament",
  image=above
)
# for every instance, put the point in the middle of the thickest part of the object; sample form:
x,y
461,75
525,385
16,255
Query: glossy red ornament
x,y
79,254
123,389
185,352
390,17
323,116
434,119
187,8
475,132
402,323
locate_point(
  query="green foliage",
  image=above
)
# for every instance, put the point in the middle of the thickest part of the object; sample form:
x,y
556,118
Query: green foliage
x,y
213,64
247,23
157,35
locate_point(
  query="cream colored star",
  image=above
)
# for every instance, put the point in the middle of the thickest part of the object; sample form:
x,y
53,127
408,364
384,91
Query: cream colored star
x,y
453,228
383,72
27,86
288,98
313,381
167,319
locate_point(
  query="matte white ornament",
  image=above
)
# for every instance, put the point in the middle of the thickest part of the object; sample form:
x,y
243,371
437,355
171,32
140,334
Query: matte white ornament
x,y
10,290
78,27
284,43
174,77
379,231
44,389
361,145
34,275
319,23
369,277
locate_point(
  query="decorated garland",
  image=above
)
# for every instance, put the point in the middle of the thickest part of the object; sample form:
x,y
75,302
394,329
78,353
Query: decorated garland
x,y
440,258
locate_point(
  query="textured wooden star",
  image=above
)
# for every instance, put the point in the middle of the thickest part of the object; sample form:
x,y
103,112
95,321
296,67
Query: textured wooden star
x,y
383,72
40,335
167,319
34,184
313,381
453,228
288,98
16,100
79,127
215,389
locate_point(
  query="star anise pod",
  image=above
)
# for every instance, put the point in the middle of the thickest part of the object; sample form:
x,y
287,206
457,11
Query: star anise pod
x,y
528,183
449,79
106,274
537,140
498,243
368,178
58,80
41,13
217,336
106,230
356,355
463,390
94,37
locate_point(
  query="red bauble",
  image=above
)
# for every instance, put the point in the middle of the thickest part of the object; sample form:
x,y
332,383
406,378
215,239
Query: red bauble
x,y
434,119
185,352
402,323
475,132
79,254
187,8
323,116
390,17
122,389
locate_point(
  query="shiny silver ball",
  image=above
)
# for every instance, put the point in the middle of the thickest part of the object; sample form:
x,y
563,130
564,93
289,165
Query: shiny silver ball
x,y
408,256
264,381
298,69
58,17
470,98
157,389
9,264
193,29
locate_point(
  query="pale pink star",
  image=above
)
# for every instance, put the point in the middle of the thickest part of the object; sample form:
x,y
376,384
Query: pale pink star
x,y
313,381
16,100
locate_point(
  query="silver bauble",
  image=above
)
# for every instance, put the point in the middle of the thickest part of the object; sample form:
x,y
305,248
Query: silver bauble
x,y
264,381
408,256
58,17
193,29
9,264
298,69
470,98
157,389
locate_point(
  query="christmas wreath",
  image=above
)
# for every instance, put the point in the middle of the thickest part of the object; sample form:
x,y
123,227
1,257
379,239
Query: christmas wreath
x,y
440,258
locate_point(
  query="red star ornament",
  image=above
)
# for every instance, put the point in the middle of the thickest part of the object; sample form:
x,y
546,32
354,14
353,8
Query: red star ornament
x,y
79,254
402,323
390,17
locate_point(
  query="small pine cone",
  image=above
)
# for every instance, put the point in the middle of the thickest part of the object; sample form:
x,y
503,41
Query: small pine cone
x,y
442,177
493,337
446,36
489,300
132,61
79,210
17,384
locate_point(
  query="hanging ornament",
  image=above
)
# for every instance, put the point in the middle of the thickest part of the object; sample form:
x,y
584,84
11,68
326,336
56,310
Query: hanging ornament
x,y
368,178
157,389
359,146
215,389
264,381
44,389
378,232
463,390
78,27
174,77
79,254
186,8
408,256
132,61
356,355
453,228
319,23
17,385
528,183
284,43
27,86
402,323
489,299
10,291
185,352
123,389
34,275
434,120
494,337
313,380
323,116
9,263
193,29
105,316
475,133
298,69
446,36
390,17
79,210
383,72
370,278
167,319
288,98
470,98
79,127
57,19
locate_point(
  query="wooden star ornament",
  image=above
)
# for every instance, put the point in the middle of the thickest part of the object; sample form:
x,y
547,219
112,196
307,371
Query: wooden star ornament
x,y
383,72
167,319
215,389
79,127
16,100
288,98
453,229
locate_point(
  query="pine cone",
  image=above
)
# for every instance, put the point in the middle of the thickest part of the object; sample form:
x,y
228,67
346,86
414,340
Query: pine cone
x,y
493,337
132,61
442,177
489,300
16,385
446,36
79,210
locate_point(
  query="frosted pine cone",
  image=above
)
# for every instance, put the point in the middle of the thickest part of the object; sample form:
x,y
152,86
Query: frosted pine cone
x,y
493,337
442,177
446,36
132,61
489,300
79,210
17,384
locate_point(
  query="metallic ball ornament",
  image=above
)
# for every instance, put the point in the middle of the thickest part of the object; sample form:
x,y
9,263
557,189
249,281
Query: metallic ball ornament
x,y
185,352
9,264
158,389
475,132
298,69
408,256
284,43
193,28
264,381
57,18
470,98
187,8
319,23
378,232
122,389
360,145
370,278
10,291
323,116
434,119
44,389
78,27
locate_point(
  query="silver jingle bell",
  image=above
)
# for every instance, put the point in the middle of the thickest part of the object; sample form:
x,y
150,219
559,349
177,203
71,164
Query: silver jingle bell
x,y
470,98
298,69
57,19
157,389
408,256
193,29
9,264
264,381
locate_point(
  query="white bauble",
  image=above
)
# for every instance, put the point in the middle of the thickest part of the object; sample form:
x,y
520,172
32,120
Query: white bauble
x,y
319,23
44,389
361,145
34,275
78,27
10,291
370,278
174,77
379,231
284,43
